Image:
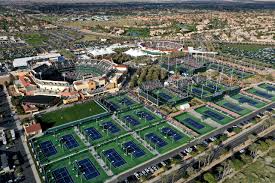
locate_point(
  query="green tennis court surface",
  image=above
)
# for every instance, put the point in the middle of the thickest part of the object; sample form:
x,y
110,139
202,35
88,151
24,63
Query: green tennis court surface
x,y
194,123
75,112
165,95
119,102
75,173
268,87
120,157
164,137
101,130
215,115
233,107
249,100
263,94
54,146
139,118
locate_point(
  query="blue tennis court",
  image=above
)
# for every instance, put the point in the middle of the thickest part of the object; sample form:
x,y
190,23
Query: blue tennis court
x,y
126,101
93,133
196,91
47,148
114,157
247,100
132,148
171,133
263,94
111,127
131,120
193,123
62,175
231,106
213,115
87,168
69,141
156,140
270,88
165,96
145,115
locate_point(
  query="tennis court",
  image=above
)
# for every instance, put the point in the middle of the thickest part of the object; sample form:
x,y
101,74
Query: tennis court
x,y
169,132
114,157
233,107
165,95
69,141
109,126
262,94
119,102
48,148
80,168
268,87
61,175
98,131
124,153
131,148
164,137
250,101
87,169
139,118
215,115
53,146
194,123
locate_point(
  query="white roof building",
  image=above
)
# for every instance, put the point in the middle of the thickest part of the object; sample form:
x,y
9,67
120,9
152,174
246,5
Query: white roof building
x,y
23,62
135,53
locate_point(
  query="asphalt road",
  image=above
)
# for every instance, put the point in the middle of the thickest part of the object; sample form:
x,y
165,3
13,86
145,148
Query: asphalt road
x,y
18,147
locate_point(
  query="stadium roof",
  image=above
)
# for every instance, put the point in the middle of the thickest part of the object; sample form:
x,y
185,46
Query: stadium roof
x,y
101,51
23,62
135,53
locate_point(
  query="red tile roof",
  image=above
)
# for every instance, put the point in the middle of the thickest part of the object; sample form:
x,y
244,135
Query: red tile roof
x,y
33,128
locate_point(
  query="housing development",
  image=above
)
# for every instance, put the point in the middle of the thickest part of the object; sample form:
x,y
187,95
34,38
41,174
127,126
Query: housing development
x,y
137,92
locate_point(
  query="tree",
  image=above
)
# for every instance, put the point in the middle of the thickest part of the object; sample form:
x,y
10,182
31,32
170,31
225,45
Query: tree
x,y
209,178
190,171
163,74
253,148
220,171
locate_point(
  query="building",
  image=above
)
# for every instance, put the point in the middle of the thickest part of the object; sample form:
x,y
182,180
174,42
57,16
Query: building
x,y
32,129
23,62
40,100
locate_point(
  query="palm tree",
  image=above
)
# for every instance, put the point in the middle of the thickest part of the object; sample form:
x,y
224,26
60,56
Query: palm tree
x,y
220,171
190,171
253,148
200,159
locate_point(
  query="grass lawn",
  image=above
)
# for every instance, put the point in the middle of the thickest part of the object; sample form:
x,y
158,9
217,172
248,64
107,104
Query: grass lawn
x,y
171,144
246,99
104,135
61,150
142,121
205,129
75,112
136,32
34,38
130,162
235,107
263,94
70,165
226,119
